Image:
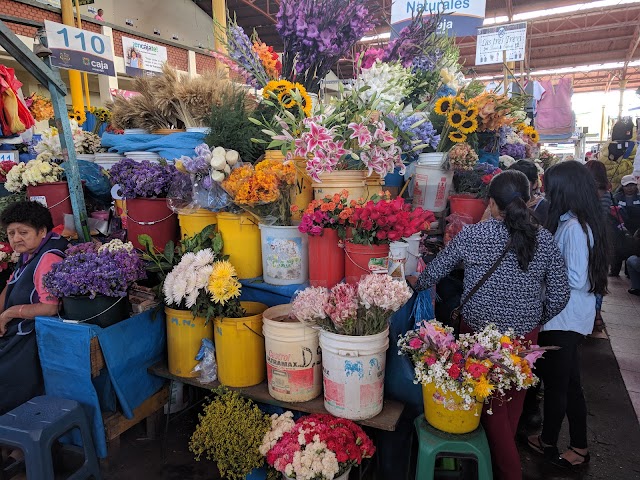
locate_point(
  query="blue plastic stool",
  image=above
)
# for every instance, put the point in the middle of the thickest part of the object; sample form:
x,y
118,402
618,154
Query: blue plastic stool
x,y
36,424
433,442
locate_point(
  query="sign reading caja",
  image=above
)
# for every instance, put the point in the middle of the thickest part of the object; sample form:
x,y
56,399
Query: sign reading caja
x,y
459,17
76,49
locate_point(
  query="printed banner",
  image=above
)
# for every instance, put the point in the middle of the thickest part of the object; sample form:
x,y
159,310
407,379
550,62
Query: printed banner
x,y
123,93
143,58
76,49
460,18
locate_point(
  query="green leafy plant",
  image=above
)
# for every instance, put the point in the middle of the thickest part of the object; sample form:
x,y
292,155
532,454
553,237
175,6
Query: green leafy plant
x,y
230,432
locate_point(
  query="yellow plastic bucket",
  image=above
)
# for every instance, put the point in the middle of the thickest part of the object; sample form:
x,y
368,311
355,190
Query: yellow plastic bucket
x,y
241,238
240,347
445,412
193,223
302,194
355,182
184,337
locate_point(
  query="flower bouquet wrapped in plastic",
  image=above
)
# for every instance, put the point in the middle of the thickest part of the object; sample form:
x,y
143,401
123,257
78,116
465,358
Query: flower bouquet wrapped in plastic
x,y
264,190
200,186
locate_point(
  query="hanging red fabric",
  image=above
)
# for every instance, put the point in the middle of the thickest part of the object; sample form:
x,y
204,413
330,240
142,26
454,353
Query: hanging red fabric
x,y
15,117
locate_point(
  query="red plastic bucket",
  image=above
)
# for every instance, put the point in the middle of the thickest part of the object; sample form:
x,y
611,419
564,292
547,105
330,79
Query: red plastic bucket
x,y
357,257
55,196
468,205
153,217
326,259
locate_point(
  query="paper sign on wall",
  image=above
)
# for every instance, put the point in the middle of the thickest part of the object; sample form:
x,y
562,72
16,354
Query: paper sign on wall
x,y
492,41
143,58
77,49
459,17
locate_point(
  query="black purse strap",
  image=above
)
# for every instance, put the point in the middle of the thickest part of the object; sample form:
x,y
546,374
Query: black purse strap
x,y
486,276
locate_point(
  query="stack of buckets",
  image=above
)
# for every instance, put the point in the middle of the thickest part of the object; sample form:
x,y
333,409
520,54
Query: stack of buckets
x,y
432,183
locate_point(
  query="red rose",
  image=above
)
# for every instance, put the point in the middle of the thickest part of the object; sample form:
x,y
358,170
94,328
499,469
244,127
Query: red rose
x,y
454,371
381,235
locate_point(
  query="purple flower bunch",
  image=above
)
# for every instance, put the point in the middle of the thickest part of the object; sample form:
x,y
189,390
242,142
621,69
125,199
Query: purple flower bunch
x,y
142,179
241,51
369,57
413,39
514,150
85,271
317,33
413,135
428,62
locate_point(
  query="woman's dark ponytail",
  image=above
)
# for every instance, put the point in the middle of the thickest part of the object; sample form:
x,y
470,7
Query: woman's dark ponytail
x,y
511,192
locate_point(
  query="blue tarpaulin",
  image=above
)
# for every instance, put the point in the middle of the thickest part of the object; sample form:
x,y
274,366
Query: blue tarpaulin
x,y
129,348
169,147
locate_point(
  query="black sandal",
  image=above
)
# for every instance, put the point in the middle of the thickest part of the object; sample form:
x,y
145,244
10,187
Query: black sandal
x,y
564,463
549,451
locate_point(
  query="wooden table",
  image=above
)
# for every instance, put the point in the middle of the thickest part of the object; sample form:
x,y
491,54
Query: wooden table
x,y
385,420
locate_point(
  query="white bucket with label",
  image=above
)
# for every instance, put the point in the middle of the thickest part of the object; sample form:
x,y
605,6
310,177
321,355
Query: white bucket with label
x,y
431,182
353,374
294,360
413,253
398,253
285,255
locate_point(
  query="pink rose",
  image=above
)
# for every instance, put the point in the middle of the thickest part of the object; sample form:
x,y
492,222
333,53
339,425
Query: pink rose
x,y
415,343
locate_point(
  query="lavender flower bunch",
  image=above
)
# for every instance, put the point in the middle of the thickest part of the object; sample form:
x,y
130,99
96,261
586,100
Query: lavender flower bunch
x,y
142,179
416,135
87,271
241,51
514,150
414,39
317,33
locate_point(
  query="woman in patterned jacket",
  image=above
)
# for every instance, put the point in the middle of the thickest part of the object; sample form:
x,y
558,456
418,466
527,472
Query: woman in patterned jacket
x,y
513,297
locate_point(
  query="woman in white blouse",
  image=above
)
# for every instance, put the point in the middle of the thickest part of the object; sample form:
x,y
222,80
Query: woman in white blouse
x,y
575,219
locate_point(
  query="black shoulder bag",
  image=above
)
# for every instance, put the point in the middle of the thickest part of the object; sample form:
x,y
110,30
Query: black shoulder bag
x,y
456,315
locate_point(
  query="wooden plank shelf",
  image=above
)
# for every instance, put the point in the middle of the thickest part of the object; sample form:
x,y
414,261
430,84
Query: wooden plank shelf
x,y
386,420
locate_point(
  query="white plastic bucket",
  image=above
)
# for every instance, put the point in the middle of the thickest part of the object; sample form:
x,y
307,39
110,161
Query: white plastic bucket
x,y
88,157
398,253
285,255
432,183
413,253
353,374
294,360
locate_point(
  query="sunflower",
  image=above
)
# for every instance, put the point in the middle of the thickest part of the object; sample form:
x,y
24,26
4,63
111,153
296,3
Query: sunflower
x,y
457,137
472,112
306,99
455,117
443,105
469,125
276,86
461,101
535,137
285,99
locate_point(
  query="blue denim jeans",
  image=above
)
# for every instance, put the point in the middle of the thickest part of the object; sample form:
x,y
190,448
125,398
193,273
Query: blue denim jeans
x,y
633,266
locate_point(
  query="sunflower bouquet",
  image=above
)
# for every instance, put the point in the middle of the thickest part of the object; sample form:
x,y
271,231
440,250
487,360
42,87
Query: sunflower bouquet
x,y
264,190
458,119
205,284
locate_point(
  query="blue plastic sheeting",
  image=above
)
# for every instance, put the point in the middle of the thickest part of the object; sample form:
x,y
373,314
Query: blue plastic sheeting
x,y
169,147
256,290
129,348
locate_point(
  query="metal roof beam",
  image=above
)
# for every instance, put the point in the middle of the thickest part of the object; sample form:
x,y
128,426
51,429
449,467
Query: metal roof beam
x,y
266,13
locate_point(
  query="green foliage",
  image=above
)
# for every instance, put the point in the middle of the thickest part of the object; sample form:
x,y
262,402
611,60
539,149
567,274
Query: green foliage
x,y
230,432
231,128
4,203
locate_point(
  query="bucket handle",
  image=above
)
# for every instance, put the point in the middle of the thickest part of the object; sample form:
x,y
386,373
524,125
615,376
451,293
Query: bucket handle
x,y
357,264
149,223
67,320
60,202
251,329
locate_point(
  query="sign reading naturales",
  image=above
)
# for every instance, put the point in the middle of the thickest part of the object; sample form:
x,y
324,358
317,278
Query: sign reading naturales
x,y
459,17
76,49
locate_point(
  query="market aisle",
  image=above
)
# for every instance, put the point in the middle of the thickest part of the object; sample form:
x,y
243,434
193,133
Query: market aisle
x,y
621,313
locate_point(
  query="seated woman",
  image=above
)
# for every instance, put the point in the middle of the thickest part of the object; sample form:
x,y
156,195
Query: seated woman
x,y
29,226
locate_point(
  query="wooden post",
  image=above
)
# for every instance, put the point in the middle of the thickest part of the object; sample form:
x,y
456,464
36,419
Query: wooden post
x,y
219,10
602,123
504,71
623,85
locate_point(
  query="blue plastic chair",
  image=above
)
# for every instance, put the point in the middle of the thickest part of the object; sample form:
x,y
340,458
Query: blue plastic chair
x,y
35,425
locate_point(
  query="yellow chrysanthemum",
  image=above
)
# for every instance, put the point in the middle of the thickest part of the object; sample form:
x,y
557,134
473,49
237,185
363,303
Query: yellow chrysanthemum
x,y
223,269
222,290
469,125
443,105
456,117
505,339
457,137
483,388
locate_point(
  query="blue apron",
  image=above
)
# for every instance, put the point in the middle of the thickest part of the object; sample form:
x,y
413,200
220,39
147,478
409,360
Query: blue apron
x,y
20,373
